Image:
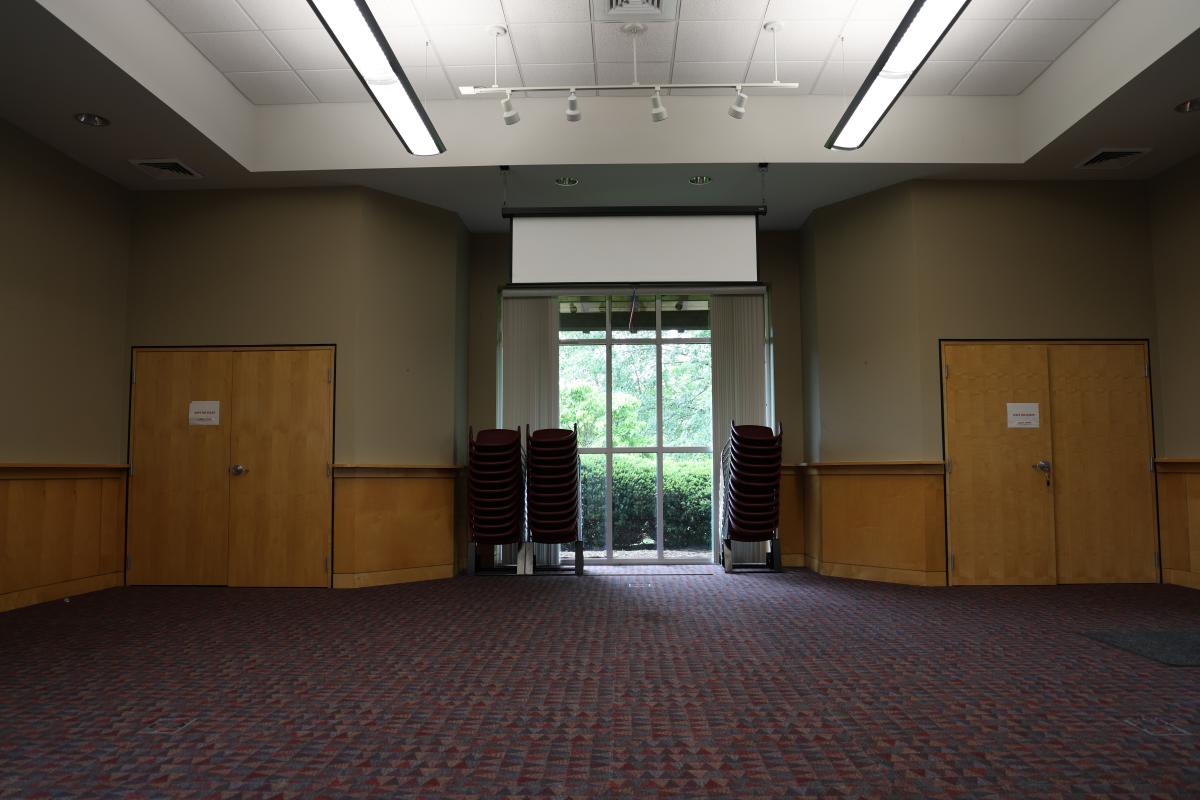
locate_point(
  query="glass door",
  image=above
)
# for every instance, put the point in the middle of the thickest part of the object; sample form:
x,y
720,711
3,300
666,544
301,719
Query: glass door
x,y
635,375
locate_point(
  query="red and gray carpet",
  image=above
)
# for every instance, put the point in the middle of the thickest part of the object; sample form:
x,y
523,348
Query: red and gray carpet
x,y
635,685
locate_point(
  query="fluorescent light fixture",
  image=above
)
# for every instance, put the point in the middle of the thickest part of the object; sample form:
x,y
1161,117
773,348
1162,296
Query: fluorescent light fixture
x,y
921,30
354,30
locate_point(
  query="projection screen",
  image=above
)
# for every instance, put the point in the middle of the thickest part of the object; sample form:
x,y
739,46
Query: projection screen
x,y
674,249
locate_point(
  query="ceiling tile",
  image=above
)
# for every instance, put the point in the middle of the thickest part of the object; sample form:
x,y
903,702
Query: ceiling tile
x,y
723,9
559,75
307,49
1036,39
460,12
467,45
281,14
880,9
394,13
409,46
522,11
841,79
649,74
709,72
552,42
272,88
969,39
809,9
656,44
801,41
706,40
993,9
865,39
804,73
938,77
188,16
431,84
335,85
482,76
1066,9
1000,77
238,51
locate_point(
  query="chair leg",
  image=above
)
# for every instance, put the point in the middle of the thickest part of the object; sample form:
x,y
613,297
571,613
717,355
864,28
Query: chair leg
x,y
523,554
471,557
727,555
578,558
776,555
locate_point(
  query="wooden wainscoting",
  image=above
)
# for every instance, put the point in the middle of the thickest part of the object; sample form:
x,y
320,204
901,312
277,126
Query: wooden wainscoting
x,y
62,531
392,524
880,521
1179,519
791,515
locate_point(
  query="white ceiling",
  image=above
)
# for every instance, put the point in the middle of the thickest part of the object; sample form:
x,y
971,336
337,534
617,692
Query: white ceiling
x,y
276,52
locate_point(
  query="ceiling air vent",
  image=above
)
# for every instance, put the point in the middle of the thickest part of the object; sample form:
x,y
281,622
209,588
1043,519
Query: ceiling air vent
x,y
634,10
1113,158
166,169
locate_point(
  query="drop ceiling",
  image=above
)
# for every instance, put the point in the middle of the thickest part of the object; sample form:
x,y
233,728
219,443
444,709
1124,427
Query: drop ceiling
x,y
276,52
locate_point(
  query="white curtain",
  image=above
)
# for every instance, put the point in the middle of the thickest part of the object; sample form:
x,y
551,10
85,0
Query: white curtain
x,y
529,376
740,359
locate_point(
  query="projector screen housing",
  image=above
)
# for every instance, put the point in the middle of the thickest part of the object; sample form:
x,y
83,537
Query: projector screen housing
x,y
629,249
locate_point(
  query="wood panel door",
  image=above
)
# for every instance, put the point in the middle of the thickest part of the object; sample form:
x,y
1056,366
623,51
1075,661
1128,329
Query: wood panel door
x,y
1104,504
1000,510
280,520
178,490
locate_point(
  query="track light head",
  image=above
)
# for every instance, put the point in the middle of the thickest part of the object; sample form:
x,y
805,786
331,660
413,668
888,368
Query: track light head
x,y
573,112
511,117
658,112
738,109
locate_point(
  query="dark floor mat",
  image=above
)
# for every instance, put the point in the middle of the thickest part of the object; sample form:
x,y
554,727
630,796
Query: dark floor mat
x,y
1175,648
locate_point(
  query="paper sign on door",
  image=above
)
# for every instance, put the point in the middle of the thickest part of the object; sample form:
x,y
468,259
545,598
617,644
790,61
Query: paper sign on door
x,y
204,412
1024,415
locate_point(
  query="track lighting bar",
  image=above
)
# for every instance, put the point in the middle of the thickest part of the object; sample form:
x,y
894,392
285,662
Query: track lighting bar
x,y
471,90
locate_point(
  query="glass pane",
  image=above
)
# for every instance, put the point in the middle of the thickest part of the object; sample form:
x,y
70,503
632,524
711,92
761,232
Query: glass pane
x,y
687,505
645,326
687,395
635,506
635,396
685,317
581,388
595,507
581,317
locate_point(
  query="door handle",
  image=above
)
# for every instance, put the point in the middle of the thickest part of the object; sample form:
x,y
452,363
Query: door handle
x,y
1043,467
238,469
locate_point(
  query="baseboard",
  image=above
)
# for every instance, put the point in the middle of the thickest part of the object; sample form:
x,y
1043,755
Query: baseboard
x,y
813,563
57,591
1181,578
793,561
911,577
362,580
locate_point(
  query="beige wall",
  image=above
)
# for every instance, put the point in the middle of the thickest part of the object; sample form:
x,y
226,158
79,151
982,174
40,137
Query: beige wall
x,y
1174,220
898,270
66,234
376,275
779,267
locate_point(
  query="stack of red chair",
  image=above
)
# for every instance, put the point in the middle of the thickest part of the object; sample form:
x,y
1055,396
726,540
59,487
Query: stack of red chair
x,y
750,469
495,490
552,503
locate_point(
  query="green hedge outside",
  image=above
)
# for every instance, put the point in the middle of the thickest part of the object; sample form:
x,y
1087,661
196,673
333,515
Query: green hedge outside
x,y
687,504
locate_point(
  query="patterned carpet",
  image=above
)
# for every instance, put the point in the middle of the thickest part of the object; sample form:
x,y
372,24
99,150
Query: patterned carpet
x,y
603,686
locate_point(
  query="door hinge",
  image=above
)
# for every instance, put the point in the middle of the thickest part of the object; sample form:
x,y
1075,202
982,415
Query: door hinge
x,y
945,370
131,470
329,374
952,562
949,465
1152,463
329,470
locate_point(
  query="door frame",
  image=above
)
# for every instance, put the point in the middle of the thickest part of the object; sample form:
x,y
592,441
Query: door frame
x,y
231,348
1144,341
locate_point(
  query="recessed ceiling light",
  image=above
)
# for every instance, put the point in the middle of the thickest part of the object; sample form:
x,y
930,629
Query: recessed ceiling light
x,y
1188,106
566,182
92,120
700,180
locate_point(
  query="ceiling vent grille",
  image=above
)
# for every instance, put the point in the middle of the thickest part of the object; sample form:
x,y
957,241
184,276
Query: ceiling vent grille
x,y
1113,158
166,169
634,10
